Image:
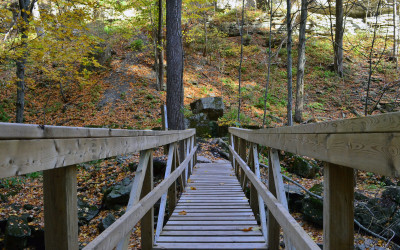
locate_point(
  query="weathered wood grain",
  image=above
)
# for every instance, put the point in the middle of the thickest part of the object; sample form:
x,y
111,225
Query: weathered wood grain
x,y
110,237
299,237
60,208
338,207
32,131
374,152
24,156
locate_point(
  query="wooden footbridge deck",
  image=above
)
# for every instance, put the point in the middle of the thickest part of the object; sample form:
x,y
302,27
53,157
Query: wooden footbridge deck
x,y
212,212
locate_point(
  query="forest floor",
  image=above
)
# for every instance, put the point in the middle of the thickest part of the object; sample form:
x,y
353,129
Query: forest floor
x,y
124,96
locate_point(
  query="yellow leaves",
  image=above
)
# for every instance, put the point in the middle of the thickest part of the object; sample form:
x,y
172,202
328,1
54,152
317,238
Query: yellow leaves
x,y
193,188
189,181
247,229
183,212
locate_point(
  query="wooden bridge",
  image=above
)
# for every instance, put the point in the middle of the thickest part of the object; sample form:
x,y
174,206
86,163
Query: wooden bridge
x,y
212,212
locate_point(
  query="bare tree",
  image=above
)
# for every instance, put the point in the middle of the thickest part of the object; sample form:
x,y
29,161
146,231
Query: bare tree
x,y
370,59
289,61
241,60
160,51
25,7
175,65
338,45
394,33
298,112
269,62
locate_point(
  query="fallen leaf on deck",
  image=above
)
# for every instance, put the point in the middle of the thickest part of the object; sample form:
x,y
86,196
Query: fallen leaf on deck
x,y
183,212
189,181
193,188
247,229
256,229
221,183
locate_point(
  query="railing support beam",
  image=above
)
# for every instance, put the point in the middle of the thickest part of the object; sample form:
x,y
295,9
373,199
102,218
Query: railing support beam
x,y
60,208
147,222
338,207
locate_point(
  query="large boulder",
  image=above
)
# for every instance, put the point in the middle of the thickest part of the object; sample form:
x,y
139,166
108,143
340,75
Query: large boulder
x,y
379,214
213,107
295,196
86,212
204,127
17,233
118,195
106,222
312,207
300,166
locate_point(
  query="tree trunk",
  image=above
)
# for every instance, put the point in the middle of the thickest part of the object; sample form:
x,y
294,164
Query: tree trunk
x,y
160,50
298,113
174,65
394,33
338,48
21,61
241,60
289,62
205,35
269,64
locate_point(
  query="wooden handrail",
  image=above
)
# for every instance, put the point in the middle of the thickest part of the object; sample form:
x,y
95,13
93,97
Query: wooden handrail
x,y
26,155
123,226
300,239
368,143
359,143
28,148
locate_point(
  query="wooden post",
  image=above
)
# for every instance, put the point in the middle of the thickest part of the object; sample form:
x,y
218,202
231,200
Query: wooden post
x,y
273,225
60,208
172,198
230,154
164,123
253,190
147,222
242,154
338,207
236,148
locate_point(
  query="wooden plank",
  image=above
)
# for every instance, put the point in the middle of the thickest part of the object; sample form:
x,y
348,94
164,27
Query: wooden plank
x,y
214,210
136,189
198,223
338,207
172,192
382,123
237,214
214,246
33,131
206,227
110,237
24,156
273,226
374,152
163,203
213,218
261,208
242,154
213,239
211,233
60,208
299,237
147,222
209,207
280,190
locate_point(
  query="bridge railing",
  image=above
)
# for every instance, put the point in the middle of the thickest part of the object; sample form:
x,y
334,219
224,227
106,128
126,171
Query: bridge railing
x,y
370,143
56,151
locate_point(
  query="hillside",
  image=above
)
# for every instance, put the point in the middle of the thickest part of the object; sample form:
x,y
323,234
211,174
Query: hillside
x,y
121,93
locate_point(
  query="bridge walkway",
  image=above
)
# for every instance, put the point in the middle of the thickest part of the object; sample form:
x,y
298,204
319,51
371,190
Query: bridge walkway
x,y
212,213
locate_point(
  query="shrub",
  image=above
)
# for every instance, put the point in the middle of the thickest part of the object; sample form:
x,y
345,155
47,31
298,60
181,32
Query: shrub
x,y
137,45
